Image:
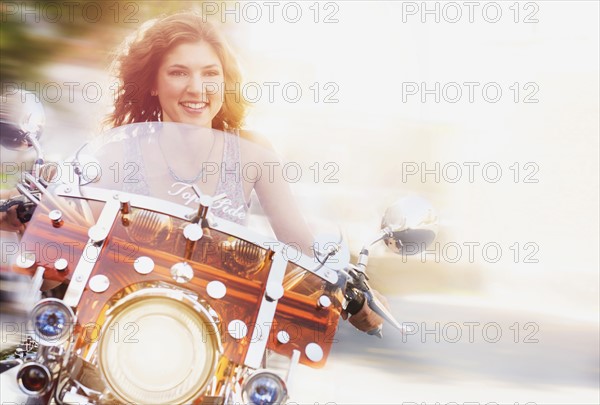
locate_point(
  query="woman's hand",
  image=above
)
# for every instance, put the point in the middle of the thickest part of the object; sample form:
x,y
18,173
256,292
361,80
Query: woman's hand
x,y
8,220
366,319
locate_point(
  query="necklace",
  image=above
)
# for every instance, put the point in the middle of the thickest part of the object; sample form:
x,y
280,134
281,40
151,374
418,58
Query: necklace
x,y
180,179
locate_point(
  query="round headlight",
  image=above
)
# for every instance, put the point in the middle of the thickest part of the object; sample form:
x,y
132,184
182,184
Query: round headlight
x,y
34,379
264,388
158,347
52,321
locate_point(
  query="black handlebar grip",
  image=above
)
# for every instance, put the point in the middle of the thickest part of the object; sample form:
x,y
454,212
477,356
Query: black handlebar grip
x,y
6,205
356,301
25,212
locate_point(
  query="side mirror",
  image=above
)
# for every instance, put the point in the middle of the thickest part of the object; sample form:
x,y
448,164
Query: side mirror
x,y
22,120
410,224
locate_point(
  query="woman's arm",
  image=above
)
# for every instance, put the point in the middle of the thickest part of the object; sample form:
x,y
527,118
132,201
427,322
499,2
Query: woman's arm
x,y
281,207
287,221
275,195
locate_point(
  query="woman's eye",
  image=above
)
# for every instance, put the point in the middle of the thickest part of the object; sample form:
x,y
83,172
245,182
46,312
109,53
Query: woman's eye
x,y
177,73
213,73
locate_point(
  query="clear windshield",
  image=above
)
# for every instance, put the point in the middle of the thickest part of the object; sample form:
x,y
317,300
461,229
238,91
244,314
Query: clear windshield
x,y
165,160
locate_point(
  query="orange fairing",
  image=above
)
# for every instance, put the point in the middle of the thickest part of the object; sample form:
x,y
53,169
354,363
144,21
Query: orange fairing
x,y
301,320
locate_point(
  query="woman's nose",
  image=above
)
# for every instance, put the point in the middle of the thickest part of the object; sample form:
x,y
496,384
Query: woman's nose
x,y
199,85
196,85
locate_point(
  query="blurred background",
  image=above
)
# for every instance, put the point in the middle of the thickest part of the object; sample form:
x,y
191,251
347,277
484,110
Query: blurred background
x,y
384,112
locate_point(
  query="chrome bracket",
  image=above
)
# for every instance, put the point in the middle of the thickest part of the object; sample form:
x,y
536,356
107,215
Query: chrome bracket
x,y
266,314
135,200
90,253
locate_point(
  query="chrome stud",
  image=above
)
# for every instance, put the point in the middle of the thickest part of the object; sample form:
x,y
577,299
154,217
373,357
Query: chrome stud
x,y
192,232
274,291
237,329
216,289
125,204
143,265
182,272
99,283
283,337
314,352
61,264
324,301
97,233
56,218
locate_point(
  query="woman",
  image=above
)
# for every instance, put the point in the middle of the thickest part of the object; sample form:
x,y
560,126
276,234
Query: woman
x,y
179,69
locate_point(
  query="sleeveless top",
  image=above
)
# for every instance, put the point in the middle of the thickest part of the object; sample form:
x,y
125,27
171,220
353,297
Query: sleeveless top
x,y
233,207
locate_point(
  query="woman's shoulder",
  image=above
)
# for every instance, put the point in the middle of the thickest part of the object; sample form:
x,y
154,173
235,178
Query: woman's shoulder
x,y
257,145
255,138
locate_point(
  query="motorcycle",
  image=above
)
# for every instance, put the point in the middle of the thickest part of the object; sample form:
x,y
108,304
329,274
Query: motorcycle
x,y
159,300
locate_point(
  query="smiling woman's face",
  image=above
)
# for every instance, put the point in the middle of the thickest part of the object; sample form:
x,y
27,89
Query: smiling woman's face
x,y
189,84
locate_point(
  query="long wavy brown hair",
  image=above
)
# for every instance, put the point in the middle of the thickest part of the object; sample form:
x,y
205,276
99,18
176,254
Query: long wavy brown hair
x,y
138,59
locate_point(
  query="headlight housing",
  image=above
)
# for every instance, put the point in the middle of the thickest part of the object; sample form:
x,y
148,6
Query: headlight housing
x,y
34,379
264,388
158,346
52,322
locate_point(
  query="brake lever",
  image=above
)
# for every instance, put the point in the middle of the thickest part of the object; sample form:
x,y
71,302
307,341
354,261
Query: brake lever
x,y
377,306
